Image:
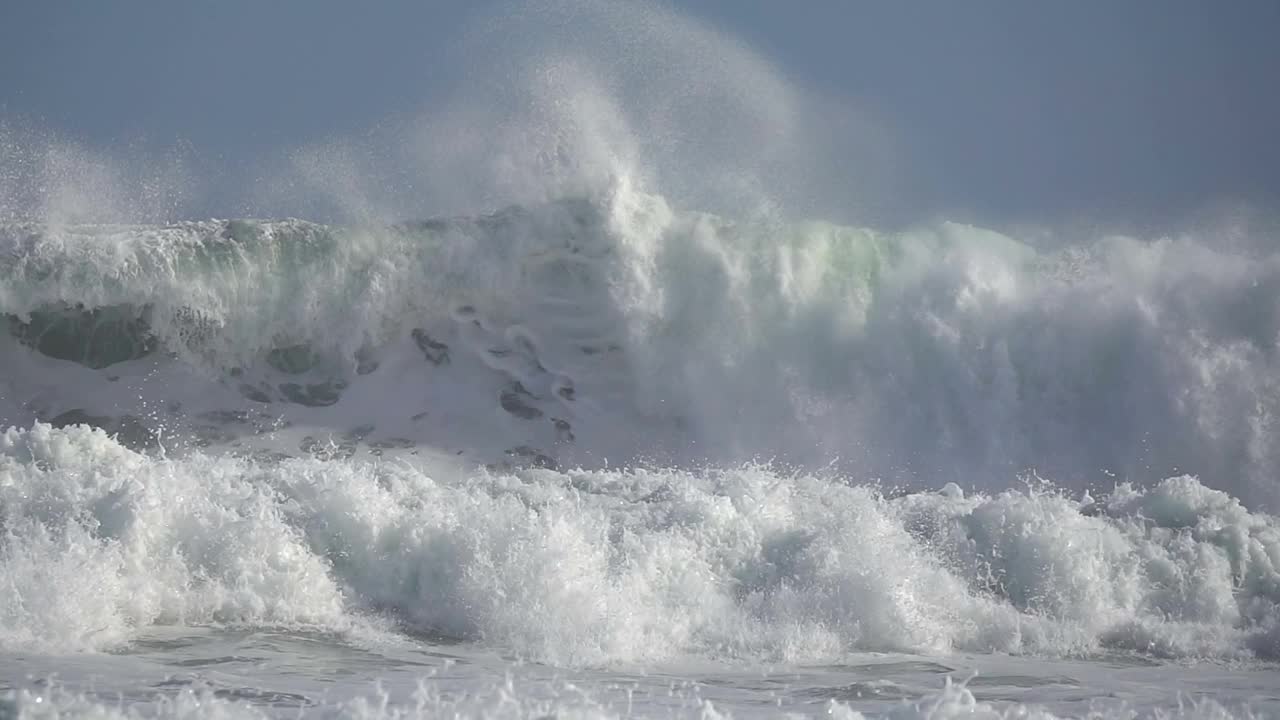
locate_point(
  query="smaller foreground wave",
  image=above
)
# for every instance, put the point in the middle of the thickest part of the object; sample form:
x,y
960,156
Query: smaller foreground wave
x,y
601,567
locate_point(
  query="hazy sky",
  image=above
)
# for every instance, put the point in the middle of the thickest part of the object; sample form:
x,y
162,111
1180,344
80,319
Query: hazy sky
x,y
1006,109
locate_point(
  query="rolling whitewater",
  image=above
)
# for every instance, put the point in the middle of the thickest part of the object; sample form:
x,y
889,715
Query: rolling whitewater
x,y
626,430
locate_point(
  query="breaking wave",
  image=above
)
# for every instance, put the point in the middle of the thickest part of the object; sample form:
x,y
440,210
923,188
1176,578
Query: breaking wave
x,y
603,430
948,353
598,567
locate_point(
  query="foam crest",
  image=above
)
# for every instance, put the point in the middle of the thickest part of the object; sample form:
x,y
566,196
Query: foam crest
x,y
604,567
100,541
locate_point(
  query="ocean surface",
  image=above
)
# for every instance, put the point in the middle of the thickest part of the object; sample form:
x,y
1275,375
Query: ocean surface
x,y
601,456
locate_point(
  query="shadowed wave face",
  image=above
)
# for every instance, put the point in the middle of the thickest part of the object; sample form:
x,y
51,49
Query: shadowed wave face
x,y
948,353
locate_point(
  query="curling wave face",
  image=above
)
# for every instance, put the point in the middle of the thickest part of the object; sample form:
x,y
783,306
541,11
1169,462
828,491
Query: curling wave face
x,y
612,329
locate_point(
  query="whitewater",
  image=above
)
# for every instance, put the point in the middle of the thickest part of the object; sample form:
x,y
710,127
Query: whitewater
x,y
619,442
557,402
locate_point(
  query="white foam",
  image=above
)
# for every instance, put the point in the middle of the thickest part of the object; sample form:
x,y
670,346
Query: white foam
x,y
601,567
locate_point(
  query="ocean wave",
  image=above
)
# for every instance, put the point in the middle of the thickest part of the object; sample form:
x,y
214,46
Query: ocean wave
x,y
948,353
607,566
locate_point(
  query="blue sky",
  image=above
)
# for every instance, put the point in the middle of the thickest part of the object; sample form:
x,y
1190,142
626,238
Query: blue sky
x,y
1001,109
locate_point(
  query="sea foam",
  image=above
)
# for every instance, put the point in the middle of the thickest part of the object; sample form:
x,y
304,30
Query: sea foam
x,y
599,567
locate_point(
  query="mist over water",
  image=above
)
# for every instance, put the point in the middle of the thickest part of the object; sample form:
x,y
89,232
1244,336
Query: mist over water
x,y
542,100
620,354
